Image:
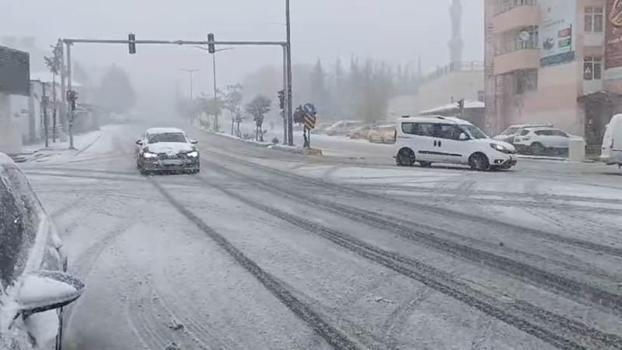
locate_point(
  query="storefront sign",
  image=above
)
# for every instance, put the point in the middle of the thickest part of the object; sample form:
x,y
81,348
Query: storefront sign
x,y
558,31
613,36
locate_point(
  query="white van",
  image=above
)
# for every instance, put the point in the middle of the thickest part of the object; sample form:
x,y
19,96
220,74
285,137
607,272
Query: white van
x,y
611,151
437,139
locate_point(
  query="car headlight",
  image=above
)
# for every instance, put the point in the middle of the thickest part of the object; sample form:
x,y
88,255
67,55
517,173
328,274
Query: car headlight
x,y
500,148
193,154
149,155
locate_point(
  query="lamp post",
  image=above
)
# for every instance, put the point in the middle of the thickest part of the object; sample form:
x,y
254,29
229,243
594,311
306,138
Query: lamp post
x,y
191,72
216,127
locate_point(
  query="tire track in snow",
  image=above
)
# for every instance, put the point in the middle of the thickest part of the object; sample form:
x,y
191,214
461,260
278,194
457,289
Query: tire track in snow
x,y
395,323
553,237
576,290
547,326
331,335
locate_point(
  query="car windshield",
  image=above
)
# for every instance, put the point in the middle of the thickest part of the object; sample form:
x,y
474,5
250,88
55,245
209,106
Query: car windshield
x,y
318,174
166,137
474,131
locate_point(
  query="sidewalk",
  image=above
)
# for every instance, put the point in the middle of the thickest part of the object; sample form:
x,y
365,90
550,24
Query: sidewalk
x,y
38,152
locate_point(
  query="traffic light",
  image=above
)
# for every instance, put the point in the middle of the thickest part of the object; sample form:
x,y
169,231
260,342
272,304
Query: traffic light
x,y
282,99
211,47
132,43
461,106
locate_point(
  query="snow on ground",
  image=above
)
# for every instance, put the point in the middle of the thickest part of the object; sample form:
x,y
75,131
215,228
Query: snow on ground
x,y
157,274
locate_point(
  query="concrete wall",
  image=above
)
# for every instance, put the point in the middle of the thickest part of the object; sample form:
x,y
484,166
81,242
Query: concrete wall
x,y
555,101
10,134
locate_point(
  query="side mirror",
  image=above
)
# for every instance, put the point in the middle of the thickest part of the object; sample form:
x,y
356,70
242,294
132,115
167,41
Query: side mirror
x,y
463,137
47,290
139,142
194,142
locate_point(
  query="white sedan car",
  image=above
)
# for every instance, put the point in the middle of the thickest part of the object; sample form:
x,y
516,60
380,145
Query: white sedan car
x,y
542,140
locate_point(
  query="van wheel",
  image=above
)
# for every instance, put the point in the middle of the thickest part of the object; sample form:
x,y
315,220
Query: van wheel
x,y
405,157
479,161
425,164
536,148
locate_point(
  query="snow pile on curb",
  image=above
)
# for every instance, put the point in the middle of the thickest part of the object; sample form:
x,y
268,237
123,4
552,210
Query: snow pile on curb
x,y
268,145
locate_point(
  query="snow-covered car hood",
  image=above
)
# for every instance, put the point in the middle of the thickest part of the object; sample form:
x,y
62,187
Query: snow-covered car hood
x,y
170,147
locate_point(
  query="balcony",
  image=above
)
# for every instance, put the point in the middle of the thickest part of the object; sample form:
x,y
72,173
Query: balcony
x,y
517,60
526,13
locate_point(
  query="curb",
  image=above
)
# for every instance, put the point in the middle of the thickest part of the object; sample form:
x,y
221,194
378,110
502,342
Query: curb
x,y
269,145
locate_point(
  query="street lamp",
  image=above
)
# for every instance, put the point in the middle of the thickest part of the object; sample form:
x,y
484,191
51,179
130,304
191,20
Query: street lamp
x,y
191,72
214,72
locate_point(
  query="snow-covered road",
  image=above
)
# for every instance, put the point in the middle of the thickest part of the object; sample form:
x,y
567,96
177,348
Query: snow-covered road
x,y
271,250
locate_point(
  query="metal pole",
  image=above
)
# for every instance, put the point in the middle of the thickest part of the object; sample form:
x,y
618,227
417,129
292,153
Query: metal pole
x,y
63,89
70,88
288,93
216,126
284,112
44,107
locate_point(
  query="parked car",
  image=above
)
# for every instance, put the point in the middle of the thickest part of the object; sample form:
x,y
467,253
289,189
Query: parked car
x,y
34,285
542,140
382,134
360,132
611,151
513,130
437,139
342,127
167,149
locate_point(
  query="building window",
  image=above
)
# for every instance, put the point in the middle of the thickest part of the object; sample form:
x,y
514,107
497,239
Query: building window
x,y
525,80
594,19
592,68
519,39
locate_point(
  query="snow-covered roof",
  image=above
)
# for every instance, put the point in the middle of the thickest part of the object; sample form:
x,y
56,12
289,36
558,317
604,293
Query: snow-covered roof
x,y
164,130
448,107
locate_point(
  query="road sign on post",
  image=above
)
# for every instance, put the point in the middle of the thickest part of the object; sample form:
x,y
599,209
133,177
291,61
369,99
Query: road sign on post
x,y
461,108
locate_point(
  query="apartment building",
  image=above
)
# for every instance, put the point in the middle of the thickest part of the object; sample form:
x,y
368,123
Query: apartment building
x,y
557,61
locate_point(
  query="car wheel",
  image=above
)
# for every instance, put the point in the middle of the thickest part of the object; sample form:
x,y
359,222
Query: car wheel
x,y
405,157
425,164
536,148
479,161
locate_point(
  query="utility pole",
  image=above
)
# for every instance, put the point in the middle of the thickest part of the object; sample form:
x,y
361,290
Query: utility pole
x,y
70,88
191,72
44,108
63,87
216,127
288,93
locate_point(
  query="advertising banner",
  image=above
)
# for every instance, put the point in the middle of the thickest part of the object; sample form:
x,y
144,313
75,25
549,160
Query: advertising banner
x,y
558,31
613,35
14,72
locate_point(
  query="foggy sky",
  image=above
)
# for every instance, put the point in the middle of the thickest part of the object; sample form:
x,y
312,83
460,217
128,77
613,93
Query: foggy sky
x,y
396,31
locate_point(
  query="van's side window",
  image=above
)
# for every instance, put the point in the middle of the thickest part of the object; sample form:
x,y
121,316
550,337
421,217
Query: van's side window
x,y
420,129
448,131
408,128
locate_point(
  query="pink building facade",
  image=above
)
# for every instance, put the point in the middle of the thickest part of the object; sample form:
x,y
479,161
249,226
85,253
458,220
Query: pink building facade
x,y
557,61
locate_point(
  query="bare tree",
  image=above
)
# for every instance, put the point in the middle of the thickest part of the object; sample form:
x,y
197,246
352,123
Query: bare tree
x,y
233,104
258,108
54,64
